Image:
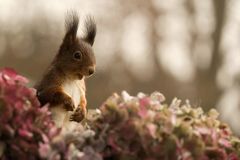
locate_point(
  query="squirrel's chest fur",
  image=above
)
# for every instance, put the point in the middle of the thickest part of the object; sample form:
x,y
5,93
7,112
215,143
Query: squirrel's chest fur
x,y
74,89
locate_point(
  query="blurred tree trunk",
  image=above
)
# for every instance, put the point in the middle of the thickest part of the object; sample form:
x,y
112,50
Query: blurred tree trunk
x,y
206,85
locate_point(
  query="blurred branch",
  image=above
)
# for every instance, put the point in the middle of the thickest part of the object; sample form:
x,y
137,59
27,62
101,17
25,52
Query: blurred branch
x,y
219,11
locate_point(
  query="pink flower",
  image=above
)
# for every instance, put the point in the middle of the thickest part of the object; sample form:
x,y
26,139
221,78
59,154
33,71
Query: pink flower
x,y
224,142
152,129
10,76
25,133
145,101
44,150
233,156
142,112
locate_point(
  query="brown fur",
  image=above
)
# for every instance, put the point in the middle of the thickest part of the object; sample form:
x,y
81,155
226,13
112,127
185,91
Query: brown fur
x,y
66,67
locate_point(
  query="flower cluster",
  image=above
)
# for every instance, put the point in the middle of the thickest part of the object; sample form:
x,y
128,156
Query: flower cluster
x,y
27,130
23,123
143,127
125,128
75,142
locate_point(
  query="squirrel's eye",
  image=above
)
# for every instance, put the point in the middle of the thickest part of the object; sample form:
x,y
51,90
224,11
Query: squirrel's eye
x,y
77,55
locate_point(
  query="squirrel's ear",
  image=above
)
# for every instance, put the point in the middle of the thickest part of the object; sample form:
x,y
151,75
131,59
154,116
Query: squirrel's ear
x,y
71,25
91,30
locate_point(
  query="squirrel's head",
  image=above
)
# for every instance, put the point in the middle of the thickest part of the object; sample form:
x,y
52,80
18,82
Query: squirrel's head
x,y
76,55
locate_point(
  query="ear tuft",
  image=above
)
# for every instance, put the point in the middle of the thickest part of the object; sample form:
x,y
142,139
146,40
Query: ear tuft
x,y
91,29
71,25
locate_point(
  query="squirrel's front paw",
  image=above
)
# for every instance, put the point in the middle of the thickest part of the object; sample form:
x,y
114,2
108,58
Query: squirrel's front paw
x,y
78,115
68,104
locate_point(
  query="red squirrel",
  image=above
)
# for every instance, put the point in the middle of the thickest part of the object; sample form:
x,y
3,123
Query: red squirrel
x,y
63,85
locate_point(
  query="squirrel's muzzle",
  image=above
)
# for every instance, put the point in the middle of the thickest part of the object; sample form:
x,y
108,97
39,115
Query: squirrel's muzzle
x,y
91,70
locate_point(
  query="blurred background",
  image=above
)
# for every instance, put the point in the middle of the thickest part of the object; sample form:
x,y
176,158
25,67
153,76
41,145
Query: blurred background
x,y
188,49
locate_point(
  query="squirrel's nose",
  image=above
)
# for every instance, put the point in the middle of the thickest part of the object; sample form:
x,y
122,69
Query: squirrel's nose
x,y
91,70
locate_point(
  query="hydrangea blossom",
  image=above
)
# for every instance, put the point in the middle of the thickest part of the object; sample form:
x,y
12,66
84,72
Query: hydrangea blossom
x,y
125,128
27,130
23,123
144,127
